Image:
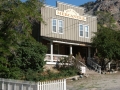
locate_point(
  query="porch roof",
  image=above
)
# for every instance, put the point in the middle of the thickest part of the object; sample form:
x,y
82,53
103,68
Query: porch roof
x,y
65,41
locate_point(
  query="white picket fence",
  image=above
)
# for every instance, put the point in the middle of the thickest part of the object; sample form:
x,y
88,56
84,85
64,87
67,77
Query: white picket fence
x,y
52,85
10,84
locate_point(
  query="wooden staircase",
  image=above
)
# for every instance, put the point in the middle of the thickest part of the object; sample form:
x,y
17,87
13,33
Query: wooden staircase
x,y
92,68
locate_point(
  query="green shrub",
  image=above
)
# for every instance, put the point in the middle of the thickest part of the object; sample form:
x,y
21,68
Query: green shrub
x,y
63,73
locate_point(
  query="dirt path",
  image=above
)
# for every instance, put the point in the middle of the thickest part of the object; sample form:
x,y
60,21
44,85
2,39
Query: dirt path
x,y
96,82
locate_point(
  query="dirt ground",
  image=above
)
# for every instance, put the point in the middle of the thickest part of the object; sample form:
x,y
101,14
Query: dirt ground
x,y
96,82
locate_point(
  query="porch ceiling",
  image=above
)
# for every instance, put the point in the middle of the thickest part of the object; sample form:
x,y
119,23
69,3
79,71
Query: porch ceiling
x,y
64,41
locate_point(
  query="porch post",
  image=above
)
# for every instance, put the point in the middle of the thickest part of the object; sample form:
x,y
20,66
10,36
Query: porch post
x,y
89,52
51,50
70,49
109,65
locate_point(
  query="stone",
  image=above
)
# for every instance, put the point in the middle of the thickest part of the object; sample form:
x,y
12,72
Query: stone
x,y
81,76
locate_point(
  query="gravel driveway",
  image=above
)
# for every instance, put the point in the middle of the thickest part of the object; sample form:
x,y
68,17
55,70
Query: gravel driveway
x,y
96,82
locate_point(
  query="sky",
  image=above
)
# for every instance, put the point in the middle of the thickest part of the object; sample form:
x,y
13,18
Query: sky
x,y
73,2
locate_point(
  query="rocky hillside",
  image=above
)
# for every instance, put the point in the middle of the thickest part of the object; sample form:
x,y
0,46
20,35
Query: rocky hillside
x,y
111,6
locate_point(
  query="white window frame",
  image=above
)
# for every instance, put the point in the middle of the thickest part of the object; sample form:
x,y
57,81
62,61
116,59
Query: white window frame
x,y
54,25
80,30
60,26
86,31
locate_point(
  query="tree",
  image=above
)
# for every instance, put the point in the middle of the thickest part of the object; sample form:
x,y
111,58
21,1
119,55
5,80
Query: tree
x,y
105,19
29,58
108,45
19,52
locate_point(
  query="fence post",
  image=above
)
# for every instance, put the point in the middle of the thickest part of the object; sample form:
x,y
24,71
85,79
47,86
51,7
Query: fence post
x,y
64,84
29,88
8,86
2,84
22,87
99,69
37,85
15,86
61,85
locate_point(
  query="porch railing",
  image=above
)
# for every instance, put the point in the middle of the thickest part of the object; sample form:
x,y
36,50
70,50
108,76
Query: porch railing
x,y
94,65
56,57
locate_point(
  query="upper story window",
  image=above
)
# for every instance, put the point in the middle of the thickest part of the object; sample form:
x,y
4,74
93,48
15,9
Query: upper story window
x,y
81,31
60,26
57,26
54,25
86,31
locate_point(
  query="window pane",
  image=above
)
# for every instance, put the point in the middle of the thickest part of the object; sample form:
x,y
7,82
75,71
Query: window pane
x,y
81,33
60,26
54,23
60,30
86,28
60,23
81,30
86,31
54,28
86,34
81,27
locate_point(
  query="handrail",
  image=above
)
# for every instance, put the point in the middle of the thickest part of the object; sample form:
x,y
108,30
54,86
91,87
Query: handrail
x,y
56,57
82,63
94,65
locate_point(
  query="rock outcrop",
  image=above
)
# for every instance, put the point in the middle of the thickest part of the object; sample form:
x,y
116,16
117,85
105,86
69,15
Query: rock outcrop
x,y
111,6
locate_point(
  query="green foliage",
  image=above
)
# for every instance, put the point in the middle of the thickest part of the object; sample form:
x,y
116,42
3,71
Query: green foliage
x,y
29,58
107,43
31,55
63,72
15,73
31,75
65,69
105,19
20,54
68,71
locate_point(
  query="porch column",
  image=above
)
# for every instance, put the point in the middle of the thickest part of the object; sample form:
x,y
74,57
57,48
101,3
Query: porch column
x,y
51,50
89,52
70,49
109,65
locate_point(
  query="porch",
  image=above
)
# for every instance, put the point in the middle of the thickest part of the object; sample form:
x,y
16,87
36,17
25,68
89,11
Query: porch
x,y
58,49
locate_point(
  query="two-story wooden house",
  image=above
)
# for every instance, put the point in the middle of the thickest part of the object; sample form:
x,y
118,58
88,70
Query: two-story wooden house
x,y
67,30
